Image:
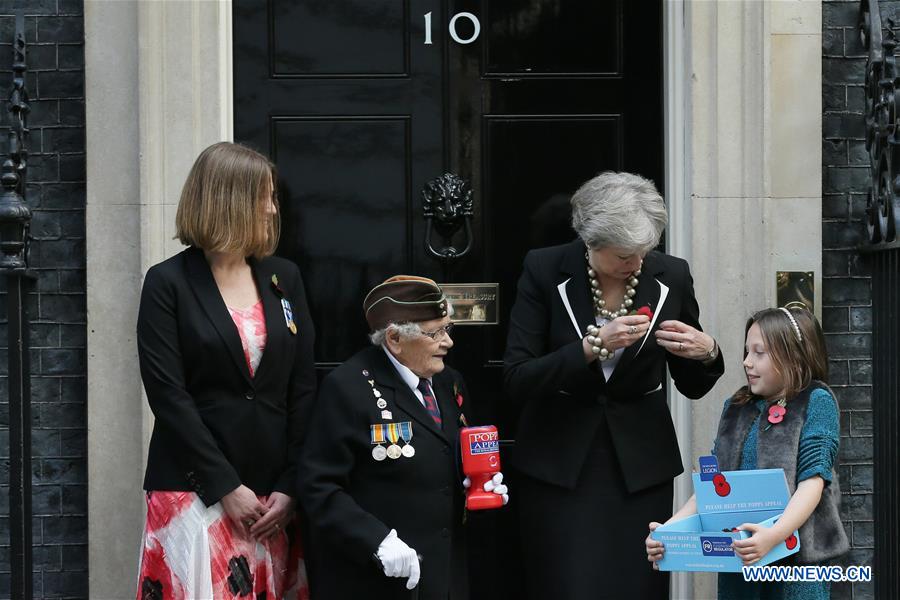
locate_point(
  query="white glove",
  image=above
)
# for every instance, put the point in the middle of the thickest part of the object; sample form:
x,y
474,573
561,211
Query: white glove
x,y
494,484
398,559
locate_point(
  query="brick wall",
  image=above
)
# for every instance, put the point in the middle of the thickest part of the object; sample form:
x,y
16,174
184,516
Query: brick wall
x,y
56,194
847,295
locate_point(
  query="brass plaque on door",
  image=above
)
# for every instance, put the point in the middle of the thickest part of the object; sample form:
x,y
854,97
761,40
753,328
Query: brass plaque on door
x,y
473,303
795,288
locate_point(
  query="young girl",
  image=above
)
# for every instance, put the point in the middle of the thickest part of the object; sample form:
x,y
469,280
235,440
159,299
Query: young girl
x,y
785,417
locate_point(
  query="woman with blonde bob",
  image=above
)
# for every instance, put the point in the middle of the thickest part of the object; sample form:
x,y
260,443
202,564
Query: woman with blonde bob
x,y
225,346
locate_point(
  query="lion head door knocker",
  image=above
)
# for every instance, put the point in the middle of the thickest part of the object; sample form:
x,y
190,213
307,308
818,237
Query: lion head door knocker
x,y
447,207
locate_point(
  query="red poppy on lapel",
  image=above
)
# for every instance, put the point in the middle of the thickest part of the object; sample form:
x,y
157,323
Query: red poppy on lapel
x,y
645,310
457,395
776,413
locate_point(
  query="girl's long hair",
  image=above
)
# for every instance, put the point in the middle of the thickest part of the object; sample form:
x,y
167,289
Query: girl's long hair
x,y
798,362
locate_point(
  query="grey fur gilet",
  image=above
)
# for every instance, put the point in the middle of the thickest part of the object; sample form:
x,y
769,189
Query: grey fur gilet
x,y
822,537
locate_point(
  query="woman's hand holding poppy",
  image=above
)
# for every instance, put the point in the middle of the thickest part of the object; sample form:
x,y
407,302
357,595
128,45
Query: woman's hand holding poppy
x,y
620,333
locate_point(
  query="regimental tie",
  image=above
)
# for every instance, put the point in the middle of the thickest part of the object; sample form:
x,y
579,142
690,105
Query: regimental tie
x,y
430,403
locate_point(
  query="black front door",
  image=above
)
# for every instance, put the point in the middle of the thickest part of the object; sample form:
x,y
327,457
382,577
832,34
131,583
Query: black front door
x,y
524,99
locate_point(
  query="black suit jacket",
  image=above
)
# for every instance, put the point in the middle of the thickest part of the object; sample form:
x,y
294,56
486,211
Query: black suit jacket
x,y
216,427
353,501
561,400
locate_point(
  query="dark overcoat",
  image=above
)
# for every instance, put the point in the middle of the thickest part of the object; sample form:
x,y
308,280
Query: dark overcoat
x,y
353,500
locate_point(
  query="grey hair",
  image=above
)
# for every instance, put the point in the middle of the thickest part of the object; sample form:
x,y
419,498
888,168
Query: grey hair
x,y
622,210
406,330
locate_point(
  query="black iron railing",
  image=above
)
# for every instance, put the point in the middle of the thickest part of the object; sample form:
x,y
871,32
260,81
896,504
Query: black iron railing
x,y
882,248
15,219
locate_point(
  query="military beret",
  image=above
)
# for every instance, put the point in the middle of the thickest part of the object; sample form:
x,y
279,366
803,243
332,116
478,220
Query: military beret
x,y
404,298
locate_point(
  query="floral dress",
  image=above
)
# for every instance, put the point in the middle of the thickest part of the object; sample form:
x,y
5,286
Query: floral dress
x,y
194,552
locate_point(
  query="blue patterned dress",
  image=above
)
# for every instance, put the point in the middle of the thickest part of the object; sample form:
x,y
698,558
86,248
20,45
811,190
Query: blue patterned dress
x,y
819,439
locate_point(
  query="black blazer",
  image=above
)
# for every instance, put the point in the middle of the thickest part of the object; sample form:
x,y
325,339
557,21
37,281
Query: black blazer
x,y
353,501
216,427
561,400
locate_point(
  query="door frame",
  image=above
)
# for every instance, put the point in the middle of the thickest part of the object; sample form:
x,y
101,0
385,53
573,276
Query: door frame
x,y
178,79
150,108
677,169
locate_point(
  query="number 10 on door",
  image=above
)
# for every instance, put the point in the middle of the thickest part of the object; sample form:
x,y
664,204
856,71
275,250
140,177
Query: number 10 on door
x,y
451,28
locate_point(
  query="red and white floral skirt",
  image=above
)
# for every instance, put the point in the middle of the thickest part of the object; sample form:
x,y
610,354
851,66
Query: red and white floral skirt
x,y
194,552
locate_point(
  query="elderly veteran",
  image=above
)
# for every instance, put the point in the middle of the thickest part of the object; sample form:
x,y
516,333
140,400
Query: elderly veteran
x,y
595,324
379,474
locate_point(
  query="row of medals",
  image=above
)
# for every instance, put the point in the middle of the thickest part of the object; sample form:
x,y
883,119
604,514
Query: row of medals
x,y
393,451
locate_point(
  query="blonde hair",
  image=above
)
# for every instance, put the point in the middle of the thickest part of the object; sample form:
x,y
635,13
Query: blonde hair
x,y
221,207
799,360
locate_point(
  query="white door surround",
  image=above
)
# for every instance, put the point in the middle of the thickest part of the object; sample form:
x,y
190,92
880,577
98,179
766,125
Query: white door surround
x,y
743,181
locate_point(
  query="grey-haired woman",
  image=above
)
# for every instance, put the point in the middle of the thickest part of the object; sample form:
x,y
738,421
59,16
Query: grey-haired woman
x,y
595,324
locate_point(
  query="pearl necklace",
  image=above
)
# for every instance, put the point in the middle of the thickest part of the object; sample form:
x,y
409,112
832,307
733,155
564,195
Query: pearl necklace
x,y
600,309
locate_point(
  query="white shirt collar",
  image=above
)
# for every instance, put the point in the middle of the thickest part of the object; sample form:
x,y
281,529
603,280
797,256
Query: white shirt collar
x,y
410,378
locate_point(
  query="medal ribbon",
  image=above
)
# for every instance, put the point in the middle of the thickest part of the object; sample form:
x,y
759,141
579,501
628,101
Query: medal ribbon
x,y
377,433
406,431
288,312
393,432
